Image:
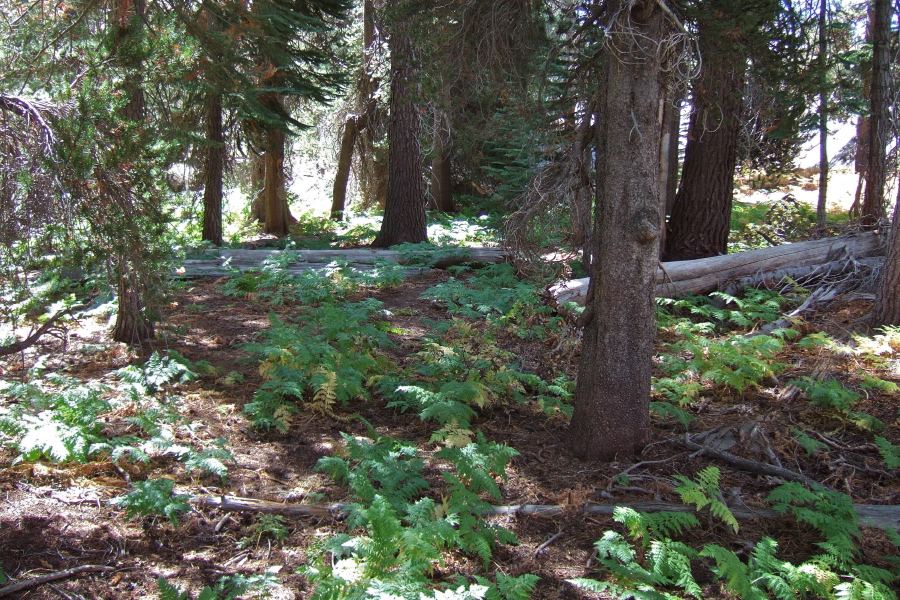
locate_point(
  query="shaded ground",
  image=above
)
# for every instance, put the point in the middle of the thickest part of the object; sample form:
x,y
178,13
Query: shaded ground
x,y
53,517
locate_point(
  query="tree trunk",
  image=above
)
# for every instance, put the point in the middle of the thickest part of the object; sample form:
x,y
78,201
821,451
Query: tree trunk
x,y
373,158
668,158
277,220
258,187
441,168
132,325
345,160
404,211
701,216
873,208
215,165
612,397
887,300
822,206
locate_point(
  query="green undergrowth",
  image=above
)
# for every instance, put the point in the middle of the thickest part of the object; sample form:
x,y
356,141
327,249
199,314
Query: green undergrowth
x,y
652,560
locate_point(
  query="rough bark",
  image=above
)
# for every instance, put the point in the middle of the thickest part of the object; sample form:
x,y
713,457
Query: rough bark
x,y
441,168
215,166
887,300
404,211
612,396
873,208
700,219
132,323
278,216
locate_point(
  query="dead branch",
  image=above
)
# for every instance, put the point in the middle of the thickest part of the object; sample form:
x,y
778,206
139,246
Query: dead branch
x,y
37,581
883,517
31,340
746,464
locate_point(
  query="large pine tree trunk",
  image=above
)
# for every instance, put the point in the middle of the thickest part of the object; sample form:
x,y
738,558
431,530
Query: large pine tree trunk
x,y
612,397
215,166
404,211
873,208
700,219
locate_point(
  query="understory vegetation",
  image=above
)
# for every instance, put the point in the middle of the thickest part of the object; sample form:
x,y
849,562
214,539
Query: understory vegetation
x,y
419,516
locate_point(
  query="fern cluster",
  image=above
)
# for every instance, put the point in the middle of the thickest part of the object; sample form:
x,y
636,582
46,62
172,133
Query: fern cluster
x,y
330,355
401,534
655,567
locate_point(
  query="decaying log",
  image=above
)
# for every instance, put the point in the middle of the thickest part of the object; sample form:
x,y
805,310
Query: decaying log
x,y
732,272
222,262
883,517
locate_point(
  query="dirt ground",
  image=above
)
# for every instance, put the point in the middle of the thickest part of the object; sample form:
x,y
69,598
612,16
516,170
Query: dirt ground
x,y
55,517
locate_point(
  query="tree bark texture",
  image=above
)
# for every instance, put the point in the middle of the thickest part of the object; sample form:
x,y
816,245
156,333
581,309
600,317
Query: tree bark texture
x,y
442,167
873,208
132,323
278,216
887,300
404,211
612,396
700,219
215,166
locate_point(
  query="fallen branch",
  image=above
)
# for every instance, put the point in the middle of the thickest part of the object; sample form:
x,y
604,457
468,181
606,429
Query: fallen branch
x,y
31,340
884,517
754,466
37,581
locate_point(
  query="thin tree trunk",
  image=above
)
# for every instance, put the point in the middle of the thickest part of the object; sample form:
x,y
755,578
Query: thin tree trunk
x,y
873,208
352,127
441,170
215,166
404,212
700,220
132,325
612,397
258,185
668,158
822,206
373,157
277,219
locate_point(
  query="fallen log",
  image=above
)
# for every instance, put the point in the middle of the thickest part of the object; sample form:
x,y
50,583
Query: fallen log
x,y
732,272
223,261
883,517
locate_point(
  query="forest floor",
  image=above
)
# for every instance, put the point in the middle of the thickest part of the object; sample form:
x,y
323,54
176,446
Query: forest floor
x,y
58,516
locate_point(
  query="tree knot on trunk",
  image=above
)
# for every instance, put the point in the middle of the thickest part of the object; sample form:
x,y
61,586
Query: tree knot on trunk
x,y
647,227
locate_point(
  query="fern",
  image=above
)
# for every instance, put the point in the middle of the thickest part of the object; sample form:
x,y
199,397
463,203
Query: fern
x,y
705,493
889,452
831,513
151,497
